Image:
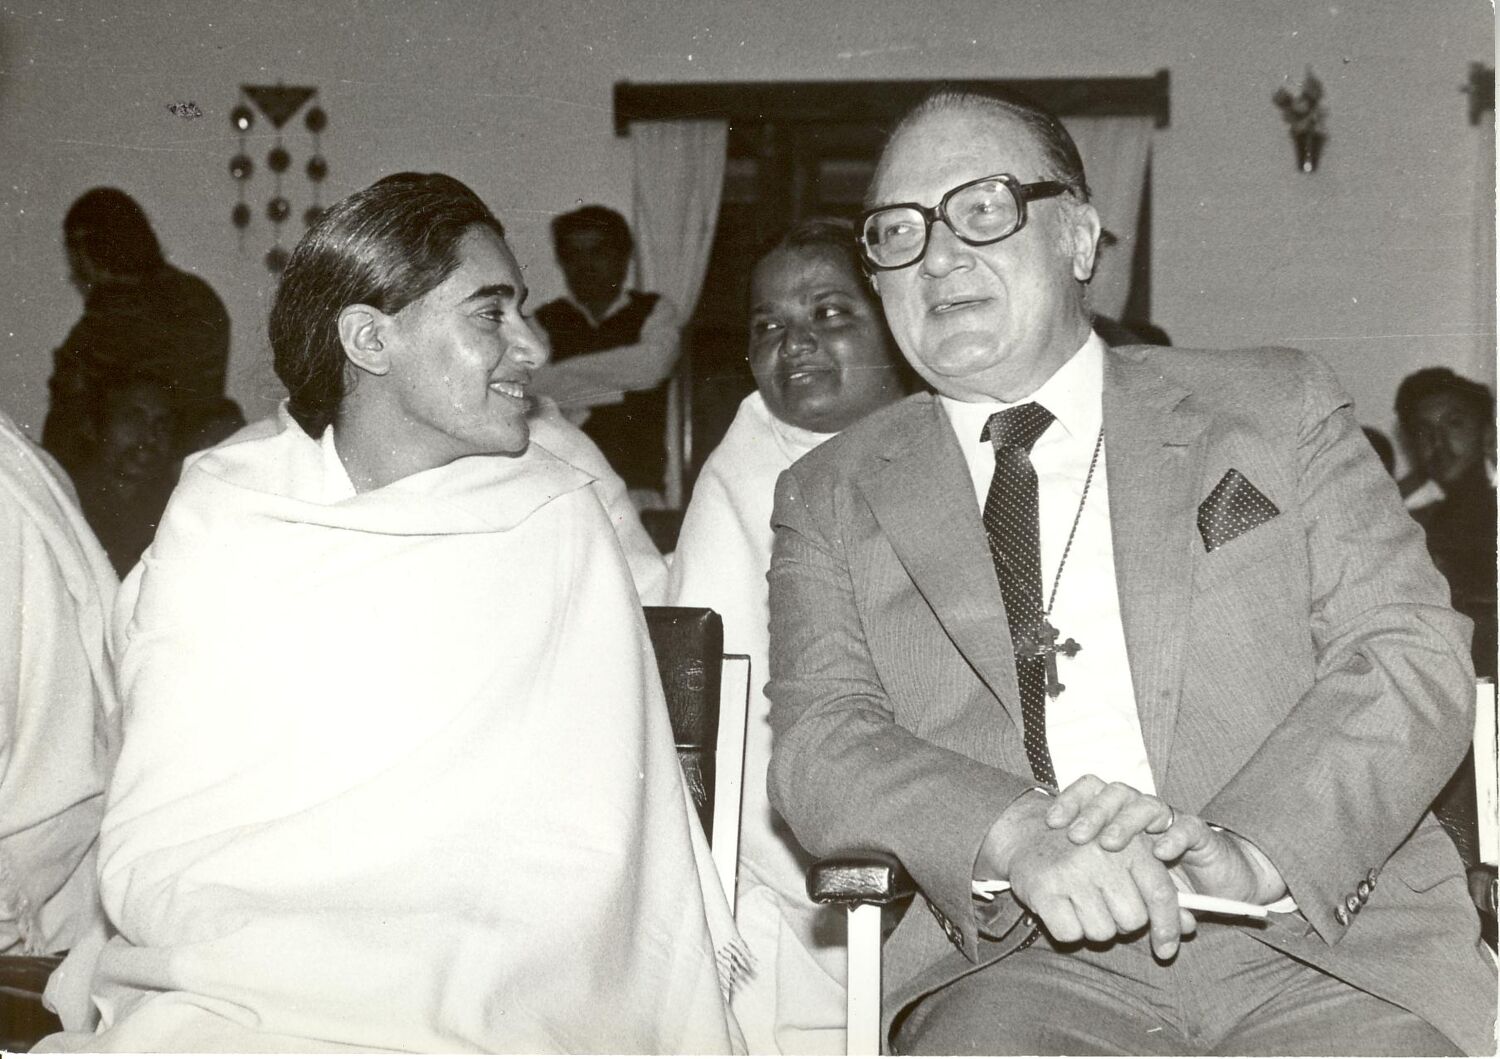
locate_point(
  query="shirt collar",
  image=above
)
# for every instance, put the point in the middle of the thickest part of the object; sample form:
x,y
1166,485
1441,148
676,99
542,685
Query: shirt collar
x,y
1074,395
614,306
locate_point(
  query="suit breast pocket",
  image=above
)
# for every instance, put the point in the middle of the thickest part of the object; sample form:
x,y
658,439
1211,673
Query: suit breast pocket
x,y
1271,543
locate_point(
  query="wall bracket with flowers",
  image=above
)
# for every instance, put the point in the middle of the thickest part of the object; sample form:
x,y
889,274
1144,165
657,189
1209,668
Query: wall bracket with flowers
x,y
1306,118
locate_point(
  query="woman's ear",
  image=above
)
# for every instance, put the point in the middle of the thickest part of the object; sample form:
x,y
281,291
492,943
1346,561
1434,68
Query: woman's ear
x,y
361,330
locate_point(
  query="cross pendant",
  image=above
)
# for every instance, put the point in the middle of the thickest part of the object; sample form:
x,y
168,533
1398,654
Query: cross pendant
x,y
1041,642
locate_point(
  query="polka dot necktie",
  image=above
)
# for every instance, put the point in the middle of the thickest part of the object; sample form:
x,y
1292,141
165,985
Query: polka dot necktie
x,y
1011,523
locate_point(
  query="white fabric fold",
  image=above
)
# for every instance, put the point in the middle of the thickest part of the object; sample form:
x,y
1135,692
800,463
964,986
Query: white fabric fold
x,y
57,703
796,1004
397,774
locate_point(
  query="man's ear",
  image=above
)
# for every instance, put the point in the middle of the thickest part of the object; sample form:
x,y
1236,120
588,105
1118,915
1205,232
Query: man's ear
x,y
362,332
1084,227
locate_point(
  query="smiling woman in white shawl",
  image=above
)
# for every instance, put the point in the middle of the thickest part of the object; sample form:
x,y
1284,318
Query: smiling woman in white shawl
x,y
396,771
822,358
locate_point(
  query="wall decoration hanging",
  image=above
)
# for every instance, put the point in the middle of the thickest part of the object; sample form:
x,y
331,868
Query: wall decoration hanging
x,y
1305,117
277,104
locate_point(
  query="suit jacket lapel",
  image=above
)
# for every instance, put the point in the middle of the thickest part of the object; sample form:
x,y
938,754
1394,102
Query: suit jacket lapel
x,y
1154,462
923,498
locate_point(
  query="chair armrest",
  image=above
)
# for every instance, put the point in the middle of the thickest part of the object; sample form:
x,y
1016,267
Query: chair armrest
x,y
23,1019
859,877
1483,888
27,973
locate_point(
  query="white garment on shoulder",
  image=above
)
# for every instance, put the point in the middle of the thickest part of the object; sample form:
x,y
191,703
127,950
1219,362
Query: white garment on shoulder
x,y
337,485
723,553
59,719
1093,727
558,435
397,774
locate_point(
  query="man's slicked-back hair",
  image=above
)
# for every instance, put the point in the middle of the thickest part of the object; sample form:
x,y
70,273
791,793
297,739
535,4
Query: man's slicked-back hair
x,y
112,230
384,247
1051,135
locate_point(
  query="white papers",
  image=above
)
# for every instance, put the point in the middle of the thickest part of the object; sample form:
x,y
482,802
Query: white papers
x,y
987,889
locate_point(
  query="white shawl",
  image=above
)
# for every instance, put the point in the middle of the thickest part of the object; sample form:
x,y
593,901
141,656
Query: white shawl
x,y
397,774
57,702
722,556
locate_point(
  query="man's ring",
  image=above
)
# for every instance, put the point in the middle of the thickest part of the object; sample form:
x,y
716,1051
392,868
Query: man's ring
x,y
1171,819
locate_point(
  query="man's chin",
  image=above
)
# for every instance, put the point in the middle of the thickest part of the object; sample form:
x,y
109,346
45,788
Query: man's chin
x,y
962,356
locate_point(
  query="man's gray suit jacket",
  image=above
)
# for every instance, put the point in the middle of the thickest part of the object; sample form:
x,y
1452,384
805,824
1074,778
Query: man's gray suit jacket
x,y
1305,685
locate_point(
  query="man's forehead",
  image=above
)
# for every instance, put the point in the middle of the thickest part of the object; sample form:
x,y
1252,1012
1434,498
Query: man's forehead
x,y
584,239
949,147
484,261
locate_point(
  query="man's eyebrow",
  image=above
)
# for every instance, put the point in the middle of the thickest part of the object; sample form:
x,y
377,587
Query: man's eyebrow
x,y
502,290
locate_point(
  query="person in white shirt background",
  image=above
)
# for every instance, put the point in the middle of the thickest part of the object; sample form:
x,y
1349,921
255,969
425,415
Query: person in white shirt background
x,y
613,349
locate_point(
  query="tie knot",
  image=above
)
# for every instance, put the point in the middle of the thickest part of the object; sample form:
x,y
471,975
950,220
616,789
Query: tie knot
x,y
1018,427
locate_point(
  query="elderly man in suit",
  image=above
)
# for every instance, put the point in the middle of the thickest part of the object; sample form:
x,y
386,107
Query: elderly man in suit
x,y
1110,624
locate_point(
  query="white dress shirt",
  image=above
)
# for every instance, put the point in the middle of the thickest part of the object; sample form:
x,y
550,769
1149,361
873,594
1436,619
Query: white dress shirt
x,y
1093,726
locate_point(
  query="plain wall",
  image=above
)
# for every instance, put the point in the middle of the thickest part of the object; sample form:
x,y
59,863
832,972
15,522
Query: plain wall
x,y
1370,261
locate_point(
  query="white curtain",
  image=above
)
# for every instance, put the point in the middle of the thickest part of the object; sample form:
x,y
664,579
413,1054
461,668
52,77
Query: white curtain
x,y
679,176
1116,152
1480,362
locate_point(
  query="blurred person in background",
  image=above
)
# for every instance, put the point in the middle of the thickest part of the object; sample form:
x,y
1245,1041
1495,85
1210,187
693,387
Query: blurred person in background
x,y
127,471
613,349
141,315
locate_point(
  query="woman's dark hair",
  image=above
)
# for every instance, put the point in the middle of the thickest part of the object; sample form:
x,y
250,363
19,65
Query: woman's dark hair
x,y
1049,132
112,231
384,247
833,234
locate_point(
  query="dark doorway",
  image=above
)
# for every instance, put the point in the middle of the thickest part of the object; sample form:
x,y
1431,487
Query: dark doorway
x,y
799,150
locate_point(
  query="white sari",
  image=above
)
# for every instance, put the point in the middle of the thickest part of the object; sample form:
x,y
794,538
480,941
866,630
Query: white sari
x,y
397,774
722,556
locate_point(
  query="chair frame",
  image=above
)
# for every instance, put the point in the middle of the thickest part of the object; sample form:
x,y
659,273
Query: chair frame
x,y
729,769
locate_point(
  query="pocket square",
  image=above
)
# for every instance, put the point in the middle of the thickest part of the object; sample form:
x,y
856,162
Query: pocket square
x,y
1234,507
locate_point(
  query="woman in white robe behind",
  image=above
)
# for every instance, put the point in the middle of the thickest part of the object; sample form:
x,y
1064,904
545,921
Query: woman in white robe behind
x,y
397,772
59,718
822,358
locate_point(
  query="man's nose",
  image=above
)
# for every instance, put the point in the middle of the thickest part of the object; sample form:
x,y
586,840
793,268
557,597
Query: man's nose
x,y
527,347
945,251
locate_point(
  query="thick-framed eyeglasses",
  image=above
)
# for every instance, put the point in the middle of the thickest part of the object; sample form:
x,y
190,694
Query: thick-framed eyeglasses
x,y
980,212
